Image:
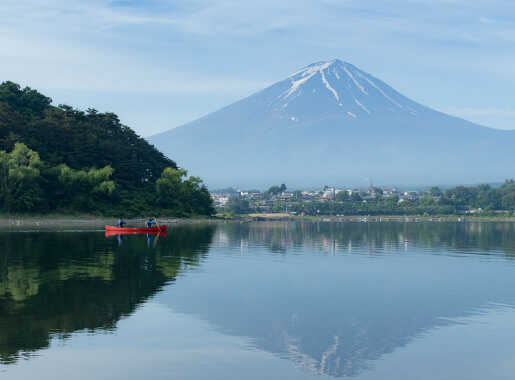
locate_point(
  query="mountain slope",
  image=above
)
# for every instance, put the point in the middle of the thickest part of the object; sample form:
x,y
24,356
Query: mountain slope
x,y
333,123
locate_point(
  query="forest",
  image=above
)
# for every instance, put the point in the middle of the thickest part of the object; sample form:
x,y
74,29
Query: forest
x,y
57,159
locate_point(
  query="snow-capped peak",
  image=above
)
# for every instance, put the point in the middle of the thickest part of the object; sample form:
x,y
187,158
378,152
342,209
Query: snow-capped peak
x,y
353,91
315,67
306,74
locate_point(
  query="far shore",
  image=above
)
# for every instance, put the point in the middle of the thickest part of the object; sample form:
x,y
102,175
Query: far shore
x,y
375,218
89,222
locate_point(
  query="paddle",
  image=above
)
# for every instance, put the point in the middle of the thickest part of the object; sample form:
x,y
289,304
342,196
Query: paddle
x,y
156,239
159,233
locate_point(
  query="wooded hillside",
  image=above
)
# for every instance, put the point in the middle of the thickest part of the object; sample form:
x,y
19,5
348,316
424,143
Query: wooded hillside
x,y
66,160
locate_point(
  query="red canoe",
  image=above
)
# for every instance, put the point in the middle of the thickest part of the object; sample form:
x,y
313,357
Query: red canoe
x,y
128,230
118,233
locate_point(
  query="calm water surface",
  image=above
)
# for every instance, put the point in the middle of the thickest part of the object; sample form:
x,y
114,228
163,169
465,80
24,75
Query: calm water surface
x,y
261,301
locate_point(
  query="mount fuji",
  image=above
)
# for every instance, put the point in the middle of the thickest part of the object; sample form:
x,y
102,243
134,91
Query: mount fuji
x,y
332,123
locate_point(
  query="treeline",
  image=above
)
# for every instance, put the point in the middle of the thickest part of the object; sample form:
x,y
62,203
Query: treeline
x,y
481,199
59,159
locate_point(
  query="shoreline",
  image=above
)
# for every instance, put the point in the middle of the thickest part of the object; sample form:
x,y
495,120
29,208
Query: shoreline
x,y
89,222
373,218
86,222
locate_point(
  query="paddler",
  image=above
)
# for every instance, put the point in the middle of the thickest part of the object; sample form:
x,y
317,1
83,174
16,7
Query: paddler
x,y
150,222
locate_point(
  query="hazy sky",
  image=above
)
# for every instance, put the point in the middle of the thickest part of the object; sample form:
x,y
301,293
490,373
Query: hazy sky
x,y
161,63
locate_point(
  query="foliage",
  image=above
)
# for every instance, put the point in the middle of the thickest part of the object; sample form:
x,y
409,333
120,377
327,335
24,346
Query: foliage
x,y
235,205
183,197
342,196
62,283
20,173
481,199
435,191
78,139
276,190
66,160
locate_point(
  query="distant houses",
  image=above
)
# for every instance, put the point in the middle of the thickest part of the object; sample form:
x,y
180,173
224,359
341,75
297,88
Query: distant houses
x,y
265,202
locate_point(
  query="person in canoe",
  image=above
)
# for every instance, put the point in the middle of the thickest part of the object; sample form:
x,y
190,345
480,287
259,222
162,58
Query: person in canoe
x,y
150,222
120,223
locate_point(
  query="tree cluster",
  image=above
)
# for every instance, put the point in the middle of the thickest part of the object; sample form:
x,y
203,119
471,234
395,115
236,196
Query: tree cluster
x,y
59,159
483,199
236,205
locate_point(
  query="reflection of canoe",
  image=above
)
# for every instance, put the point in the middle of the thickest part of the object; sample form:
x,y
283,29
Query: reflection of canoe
x,y
128,230
116,233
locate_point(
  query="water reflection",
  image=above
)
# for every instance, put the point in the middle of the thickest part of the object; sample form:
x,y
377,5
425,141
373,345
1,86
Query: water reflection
x,y
53,284
336,317
281,237
340,297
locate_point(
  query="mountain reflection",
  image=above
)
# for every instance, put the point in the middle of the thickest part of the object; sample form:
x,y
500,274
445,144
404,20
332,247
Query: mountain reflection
x,y
336,319
329,315
53,284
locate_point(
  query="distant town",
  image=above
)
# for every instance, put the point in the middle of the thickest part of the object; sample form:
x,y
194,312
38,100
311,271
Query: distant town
x,y
341,201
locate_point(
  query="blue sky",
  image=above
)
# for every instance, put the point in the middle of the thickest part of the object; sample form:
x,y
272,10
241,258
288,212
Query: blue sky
x,y
161,63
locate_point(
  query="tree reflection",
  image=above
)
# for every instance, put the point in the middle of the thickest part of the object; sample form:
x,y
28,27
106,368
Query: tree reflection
x,y
52,285
329,316
280,237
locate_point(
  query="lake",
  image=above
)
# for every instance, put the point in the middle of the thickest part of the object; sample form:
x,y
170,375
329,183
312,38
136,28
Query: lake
x,y
292,300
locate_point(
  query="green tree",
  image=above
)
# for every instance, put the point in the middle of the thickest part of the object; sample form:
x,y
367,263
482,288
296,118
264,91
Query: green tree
x,y
297,194
274,190
355,197
169,190
235,205
435,191
183,197
83,190
20,181
343,196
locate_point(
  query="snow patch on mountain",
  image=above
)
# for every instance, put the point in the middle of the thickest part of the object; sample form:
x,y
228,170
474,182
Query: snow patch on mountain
x,y
305,75
326,83
358,85
362,106
380,90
